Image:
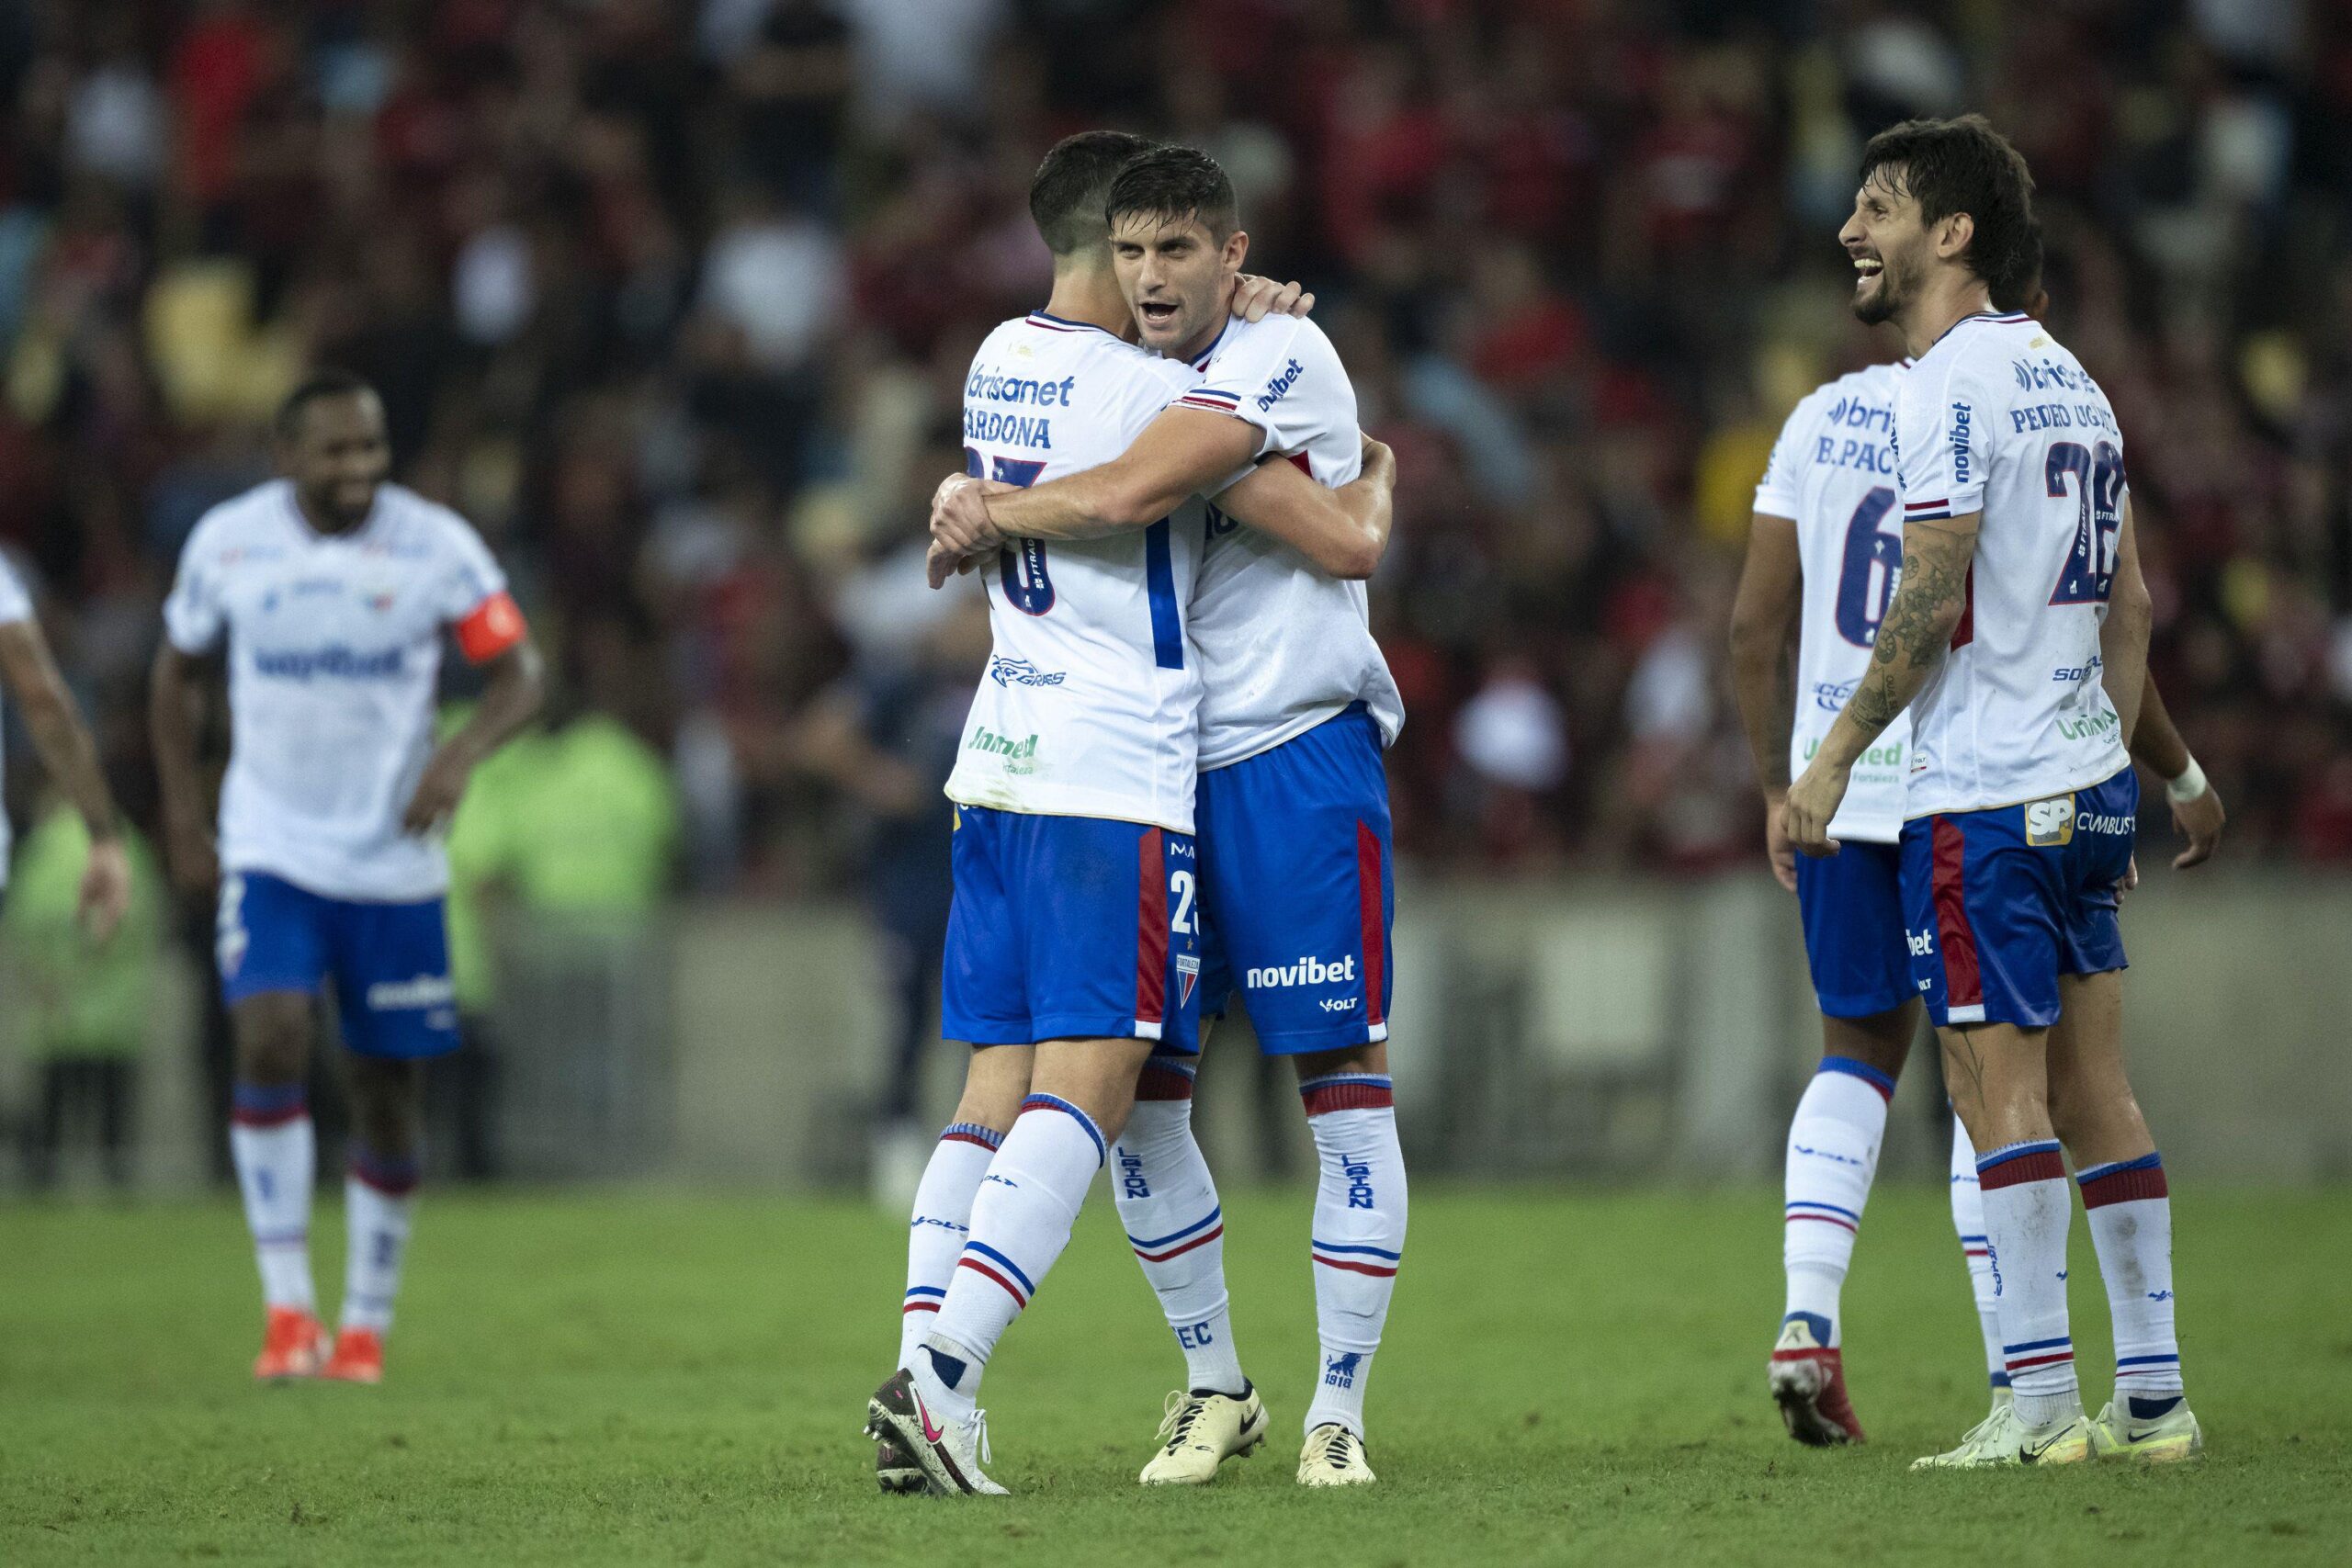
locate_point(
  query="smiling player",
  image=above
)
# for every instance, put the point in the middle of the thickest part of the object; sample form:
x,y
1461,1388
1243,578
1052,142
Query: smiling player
x,y
328,591
2017,636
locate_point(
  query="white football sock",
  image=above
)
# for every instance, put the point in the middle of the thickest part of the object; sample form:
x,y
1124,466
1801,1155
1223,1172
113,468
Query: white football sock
x,y
1359,1237
1832,1152
1021,1221
941,1222
1169,1207
2026,1210
1968,1219
276,1151
2130,1214
379,1202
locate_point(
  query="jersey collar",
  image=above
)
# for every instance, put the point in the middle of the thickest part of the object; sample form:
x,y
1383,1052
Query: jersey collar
x,y
1048,323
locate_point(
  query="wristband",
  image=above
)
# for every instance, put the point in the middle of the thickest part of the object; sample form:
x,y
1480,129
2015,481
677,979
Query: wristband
x,y
2189,786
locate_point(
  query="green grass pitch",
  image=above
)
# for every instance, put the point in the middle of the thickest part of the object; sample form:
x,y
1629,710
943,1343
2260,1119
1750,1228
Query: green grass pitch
x,y
645,1378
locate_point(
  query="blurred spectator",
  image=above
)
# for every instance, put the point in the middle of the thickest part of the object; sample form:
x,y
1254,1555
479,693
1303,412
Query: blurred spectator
x,y
84,1007
667,295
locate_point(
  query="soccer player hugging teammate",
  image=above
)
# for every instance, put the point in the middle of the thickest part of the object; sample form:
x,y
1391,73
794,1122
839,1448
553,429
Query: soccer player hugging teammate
x,y
2017,638
328,589
1296,881
1072,948
1823,553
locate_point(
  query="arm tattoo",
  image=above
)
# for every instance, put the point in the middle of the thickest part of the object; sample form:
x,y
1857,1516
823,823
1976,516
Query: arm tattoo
x,y
1917,627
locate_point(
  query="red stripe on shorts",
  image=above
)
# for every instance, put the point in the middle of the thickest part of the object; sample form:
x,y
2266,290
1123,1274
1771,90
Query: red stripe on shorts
x,y
1964,987
1151,930
1368,902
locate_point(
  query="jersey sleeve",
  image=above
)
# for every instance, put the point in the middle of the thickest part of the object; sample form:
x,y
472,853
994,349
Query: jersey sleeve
x,y
1288,383
473,597
193,618
1776,492
16,604
1944,424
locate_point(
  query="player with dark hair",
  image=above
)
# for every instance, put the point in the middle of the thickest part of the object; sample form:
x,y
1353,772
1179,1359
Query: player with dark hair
x,y
1823,552
2016,637
327,592
1072,948
1297,883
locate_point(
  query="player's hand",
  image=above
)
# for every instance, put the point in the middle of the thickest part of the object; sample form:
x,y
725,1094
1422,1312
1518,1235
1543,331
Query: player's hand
x,y
106,889
1379,460
1255,298
2199,821
195,864
1777,847
944,562
1811,801
437,793
2131,878
959,518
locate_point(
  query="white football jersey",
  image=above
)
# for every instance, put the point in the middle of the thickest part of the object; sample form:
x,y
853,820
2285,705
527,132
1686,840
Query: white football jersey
x,y
1282,647
1091,704
15,605
1998,418
1833,474
334,646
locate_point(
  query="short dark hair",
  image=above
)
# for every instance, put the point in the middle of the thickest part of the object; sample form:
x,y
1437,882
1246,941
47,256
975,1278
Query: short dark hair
x,y
1175,183
2016,290
318,384
1067,194
1961,165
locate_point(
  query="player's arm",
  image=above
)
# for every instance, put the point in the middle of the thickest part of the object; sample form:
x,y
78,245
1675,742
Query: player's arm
x,y
494,637
175,699
71,758
2123,635
1343,532
1763,621
1911,639
1181,453
2196,804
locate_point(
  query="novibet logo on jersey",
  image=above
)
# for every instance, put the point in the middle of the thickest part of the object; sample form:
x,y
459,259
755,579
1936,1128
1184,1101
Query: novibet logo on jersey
x,y
1307,971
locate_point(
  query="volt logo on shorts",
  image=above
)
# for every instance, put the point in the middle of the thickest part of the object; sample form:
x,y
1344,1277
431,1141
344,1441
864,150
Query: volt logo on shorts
x,y
1308,971
2049,823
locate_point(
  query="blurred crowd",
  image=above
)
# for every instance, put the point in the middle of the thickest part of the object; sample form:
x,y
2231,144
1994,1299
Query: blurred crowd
x,y
674,299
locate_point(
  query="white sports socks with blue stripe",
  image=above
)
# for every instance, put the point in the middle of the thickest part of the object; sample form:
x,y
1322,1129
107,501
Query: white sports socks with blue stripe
x,y
2130,1207
1832,1155
1977,1251
2026,1210
1359,1237
1022,1219
1168,1205
941,1223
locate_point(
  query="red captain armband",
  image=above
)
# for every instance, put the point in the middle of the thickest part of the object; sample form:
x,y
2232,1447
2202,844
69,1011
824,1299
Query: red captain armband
x,y
491,629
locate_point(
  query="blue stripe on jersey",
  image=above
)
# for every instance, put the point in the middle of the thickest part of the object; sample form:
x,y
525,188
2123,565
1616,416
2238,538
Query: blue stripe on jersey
x,y
1160,572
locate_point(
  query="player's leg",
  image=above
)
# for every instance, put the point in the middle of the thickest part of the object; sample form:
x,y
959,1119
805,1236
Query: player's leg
x,y
393,997
1851,908
271,950
1174,1221
1968,1219
1106,939
1357,1245
2130,1210
995,1083
1830,1162
1983,904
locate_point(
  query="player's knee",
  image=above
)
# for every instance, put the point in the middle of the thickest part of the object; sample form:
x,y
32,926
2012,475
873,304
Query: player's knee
x,y
273,1040
388,1105
1370,1058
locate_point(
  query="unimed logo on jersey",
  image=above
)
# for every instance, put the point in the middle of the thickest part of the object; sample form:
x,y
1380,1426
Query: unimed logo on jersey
x,y
1020,756
2050,822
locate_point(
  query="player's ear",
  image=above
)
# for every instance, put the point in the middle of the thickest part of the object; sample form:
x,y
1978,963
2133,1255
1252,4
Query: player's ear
x,y
1953,234
1237,248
